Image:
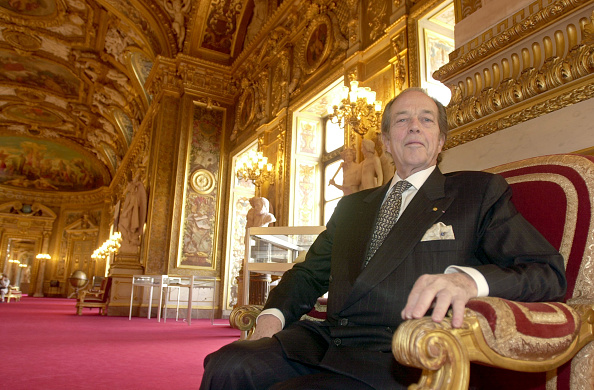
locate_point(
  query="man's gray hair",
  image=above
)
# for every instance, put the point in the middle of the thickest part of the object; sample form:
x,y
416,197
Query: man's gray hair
x,y
442,118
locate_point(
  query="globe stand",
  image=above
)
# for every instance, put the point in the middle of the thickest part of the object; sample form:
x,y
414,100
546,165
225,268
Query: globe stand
x,y
78,280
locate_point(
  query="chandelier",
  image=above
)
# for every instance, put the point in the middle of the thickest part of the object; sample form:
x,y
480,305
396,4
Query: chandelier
x,y
111,245
255,167
18,263
358,109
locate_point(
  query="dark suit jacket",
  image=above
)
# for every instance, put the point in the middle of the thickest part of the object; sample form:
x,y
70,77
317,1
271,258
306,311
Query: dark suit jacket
x,y
364,305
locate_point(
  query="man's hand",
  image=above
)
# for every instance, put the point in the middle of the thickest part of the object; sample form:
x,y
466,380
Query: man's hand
x,y
267,326
441,291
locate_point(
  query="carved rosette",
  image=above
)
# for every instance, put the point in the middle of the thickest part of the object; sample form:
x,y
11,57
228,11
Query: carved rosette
x,y
244,317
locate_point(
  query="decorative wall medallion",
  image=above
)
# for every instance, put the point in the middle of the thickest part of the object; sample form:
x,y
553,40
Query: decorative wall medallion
x,y
317,44
202,181
21,40
245,110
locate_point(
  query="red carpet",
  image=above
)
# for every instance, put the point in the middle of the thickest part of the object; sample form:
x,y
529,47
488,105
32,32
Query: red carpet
x,y
45,345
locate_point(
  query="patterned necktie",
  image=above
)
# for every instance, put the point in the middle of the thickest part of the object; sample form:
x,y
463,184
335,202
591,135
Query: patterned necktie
x,y
386,218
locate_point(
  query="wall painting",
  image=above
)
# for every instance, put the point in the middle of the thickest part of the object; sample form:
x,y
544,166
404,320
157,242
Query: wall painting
x,y
199,223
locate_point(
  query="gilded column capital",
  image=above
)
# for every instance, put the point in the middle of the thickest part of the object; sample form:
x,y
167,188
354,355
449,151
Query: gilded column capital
x,y
201,77
164,78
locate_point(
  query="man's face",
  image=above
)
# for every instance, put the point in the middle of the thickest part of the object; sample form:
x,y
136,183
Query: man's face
x,y
414,140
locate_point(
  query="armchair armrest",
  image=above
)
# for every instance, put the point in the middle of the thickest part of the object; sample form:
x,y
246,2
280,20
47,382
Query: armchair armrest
x,y
244,319
529,337
82,294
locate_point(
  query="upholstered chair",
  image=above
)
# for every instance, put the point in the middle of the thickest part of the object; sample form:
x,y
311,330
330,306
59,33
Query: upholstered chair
x,y
531,345
94,298
514,345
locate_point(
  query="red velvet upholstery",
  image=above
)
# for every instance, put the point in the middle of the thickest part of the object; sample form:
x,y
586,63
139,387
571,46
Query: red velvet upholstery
x,y
554,193
544,203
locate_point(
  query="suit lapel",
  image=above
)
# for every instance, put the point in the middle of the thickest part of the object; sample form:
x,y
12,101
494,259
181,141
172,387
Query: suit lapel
x,y
423,211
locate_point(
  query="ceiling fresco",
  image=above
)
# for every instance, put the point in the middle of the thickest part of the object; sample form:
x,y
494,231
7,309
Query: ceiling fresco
x,y
46,165
72,76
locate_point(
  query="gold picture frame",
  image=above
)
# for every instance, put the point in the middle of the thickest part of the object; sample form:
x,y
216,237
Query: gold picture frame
x,y
245,108
317,44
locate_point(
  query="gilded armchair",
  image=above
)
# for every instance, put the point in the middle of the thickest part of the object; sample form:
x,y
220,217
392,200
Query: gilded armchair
x,y
93,298
547,345
514,345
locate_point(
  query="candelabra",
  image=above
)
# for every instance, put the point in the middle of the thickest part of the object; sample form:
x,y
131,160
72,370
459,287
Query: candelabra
x,y
358,109
255,167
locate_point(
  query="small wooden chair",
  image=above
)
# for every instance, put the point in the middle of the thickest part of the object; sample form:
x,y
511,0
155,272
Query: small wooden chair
x,y
14,292
94,298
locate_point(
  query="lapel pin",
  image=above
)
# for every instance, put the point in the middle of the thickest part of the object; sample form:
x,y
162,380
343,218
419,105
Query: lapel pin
x,y
435,209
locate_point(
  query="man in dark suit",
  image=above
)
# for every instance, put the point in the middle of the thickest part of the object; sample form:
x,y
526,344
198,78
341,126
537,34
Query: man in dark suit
x,y
390,254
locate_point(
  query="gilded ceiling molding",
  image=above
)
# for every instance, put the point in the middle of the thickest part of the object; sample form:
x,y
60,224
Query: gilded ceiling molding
x,y
474,51
164,78
54,198
275,28
504,120
48,14
203,77
510,82
221,25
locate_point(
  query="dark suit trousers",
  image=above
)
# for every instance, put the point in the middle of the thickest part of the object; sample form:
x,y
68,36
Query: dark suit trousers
x,y
261,365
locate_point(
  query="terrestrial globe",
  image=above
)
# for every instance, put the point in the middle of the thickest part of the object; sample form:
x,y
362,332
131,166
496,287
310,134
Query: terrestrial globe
x,y
78,280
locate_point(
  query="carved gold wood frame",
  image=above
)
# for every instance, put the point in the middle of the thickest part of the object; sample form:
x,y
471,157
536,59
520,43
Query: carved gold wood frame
x,y
316,45
245,109
417,13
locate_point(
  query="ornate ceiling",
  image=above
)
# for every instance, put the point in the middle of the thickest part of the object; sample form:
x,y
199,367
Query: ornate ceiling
x,y
72,75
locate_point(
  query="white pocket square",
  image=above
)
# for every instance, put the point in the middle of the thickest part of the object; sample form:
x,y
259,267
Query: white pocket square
x,y
439,231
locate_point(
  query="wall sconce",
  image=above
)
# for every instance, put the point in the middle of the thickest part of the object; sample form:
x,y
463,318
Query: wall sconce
x,y
358,108
111,245
43,256
14,261
255,167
